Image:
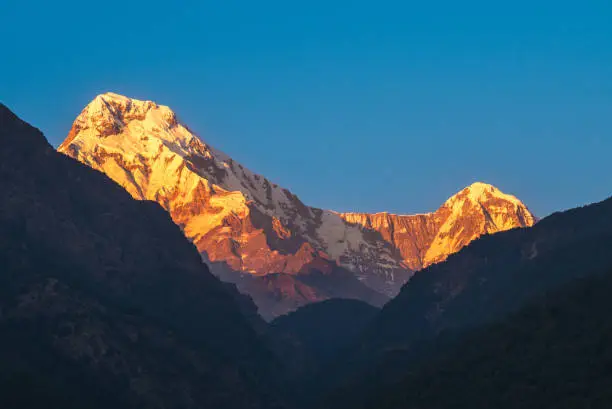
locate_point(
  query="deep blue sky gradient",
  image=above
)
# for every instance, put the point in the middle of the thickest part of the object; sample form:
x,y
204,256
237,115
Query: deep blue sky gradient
x,y
353,105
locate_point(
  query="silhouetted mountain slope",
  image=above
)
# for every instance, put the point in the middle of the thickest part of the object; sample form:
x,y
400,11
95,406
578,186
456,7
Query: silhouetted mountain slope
x,y
485,282
311,337
323,329
555,353
496,275
104,303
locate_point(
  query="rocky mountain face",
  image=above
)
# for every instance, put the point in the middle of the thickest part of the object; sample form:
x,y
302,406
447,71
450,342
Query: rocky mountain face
x,y
429,238
104,302
261,236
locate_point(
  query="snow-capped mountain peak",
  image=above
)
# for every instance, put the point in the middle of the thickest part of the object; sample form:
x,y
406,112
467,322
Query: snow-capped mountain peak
x,y
244,224
478,209
127,125
479,192
146,134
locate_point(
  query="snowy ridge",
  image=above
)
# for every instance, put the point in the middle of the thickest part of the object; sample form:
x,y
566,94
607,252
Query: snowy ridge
x,y
241,219
147,130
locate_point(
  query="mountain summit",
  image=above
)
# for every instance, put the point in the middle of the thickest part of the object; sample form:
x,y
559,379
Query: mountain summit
x,y
105,303
261,236
424,239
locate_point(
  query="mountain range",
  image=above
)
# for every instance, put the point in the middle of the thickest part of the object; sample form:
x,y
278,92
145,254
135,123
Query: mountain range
x,y
104,301
262,237
448,305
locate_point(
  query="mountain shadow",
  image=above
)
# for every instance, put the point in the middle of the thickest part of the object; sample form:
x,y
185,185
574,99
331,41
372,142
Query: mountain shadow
x,y
104,303
489,279
554,353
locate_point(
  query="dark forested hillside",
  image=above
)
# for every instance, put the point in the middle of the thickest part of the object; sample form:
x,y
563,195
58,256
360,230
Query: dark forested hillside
x,y
310,338
323,329
496,275
485,282
104,303
554,353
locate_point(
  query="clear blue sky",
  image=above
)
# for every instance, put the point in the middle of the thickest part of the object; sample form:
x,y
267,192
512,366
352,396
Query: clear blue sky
x,y
368,106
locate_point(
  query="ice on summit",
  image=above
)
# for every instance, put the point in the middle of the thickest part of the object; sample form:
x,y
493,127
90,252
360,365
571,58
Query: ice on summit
x,y
239,217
